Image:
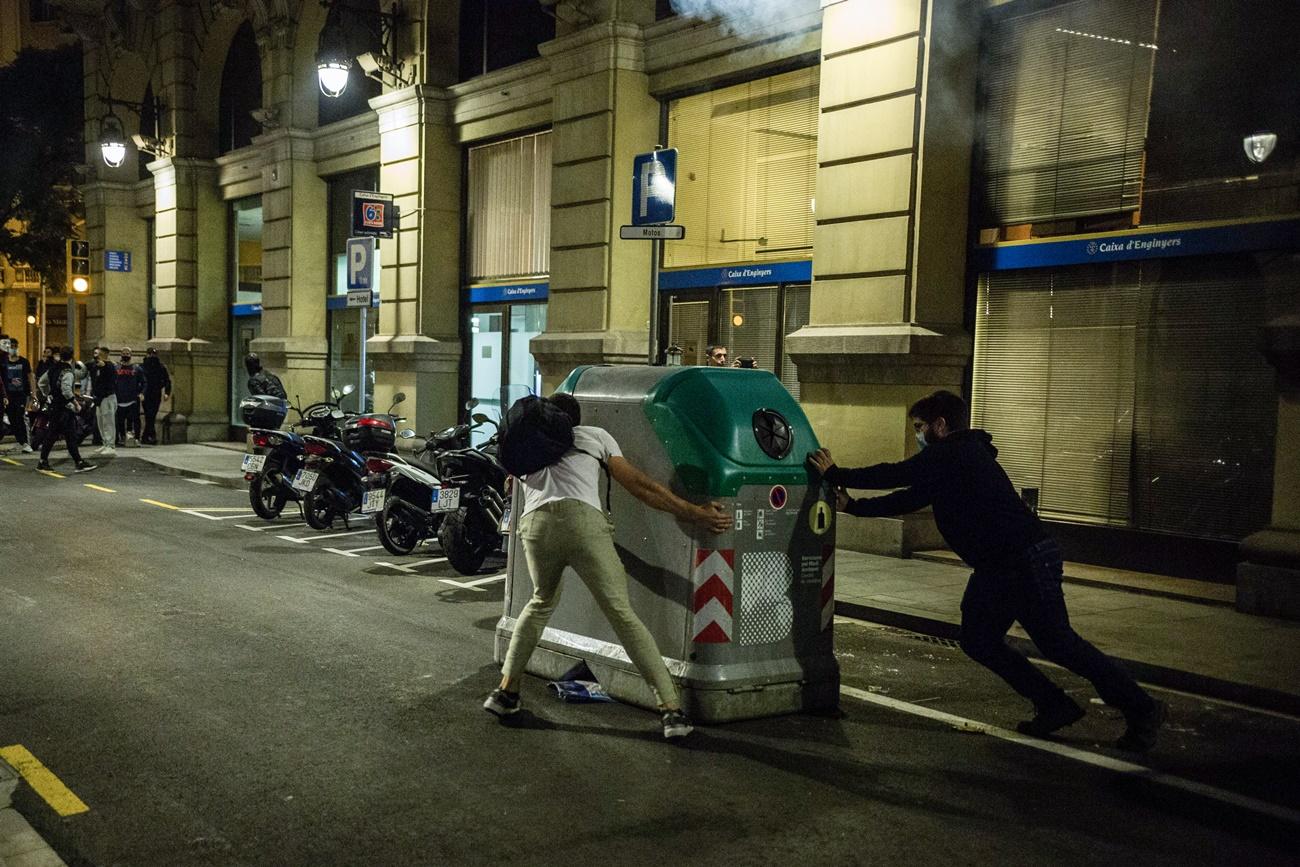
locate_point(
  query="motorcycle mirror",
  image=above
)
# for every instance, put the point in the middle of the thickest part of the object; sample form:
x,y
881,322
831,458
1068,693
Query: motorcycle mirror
x,y
348,389
471,403
407,434
335,394
480,418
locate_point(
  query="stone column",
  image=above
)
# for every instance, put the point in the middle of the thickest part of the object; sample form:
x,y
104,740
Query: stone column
x,y
294,269
417,348
117,309
1268,576
191,327
604,115
894,149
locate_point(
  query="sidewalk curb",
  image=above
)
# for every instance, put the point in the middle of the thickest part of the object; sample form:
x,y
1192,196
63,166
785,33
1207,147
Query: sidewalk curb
x,y
1157,675
8,783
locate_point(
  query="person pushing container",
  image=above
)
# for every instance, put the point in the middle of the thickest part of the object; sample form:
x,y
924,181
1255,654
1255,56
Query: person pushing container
x,y
1017,566
565,525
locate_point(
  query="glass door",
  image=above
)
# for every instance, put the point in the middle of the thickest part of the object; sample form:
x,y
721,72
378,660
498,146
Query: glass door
x,y
487,362
243,331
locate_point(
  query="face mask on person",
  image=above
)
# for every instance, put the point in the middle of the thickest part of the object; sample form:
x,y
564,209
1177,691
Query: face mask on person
x,y
126,359
920,439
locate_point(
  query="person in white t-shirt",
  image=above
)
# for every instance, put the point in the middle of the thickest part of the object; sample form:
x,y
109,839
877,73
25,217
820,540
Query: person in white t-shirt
x,y
564,524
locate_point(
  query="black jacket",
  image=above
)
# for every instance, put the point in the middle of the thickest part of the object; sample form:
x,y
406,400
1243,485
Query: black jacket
x,y
103,381
156,379
975,505
266,382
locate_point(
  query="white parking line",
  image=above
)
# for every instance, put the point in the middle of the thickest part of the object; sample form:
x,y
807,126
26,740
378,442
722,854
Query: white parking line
x,y
475,584
196,513
351,552
410,567
303,540
1097,760
200,481
263,529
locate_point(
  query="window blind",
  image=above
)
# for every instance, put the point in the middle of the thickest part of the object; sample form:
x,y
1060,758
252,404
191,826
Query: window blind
x,y
1065,94
509,209
1131,394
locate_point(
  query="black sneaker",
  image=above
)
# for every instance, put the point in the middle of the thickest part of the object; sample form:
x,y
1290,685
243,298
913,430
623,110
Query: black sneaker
x,y
1143,729
502,703
1048,720
676,724
85,467
44,465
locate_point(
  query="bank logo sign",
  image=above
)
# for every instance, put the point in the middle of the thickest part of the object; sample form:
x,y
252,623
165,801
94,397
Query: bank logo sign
x,y
372,214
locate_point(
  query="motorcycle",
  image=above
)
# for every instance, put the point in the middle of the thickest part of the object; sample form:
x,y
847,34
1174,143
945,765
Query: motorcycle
x,y
472,532
408,500
279,454
333,479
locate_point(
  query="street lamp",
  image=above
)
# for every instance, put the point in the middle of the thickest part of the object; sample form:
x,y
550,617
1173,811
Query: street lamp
x,y
1259,146
112,140
112,135
335,53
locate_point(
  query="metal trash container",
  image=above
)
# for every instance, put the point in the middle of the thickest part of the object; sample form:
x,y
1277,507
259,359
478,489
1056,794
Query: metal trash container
x,y
743,619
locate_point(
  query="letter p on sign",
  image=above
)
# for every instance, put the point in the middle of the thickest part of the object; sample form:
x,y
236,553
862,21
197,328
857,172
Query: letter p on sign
x,y
360,256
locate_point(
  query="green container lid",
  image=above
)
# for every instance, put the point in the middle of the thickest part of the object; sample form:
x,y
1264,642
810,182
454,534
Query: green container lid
x,y
705,417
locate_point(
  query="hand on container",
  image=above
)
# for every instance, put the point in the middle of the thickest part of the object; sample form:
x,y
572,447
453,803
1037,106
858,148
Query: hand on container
x,y
842,500
714,518
821,460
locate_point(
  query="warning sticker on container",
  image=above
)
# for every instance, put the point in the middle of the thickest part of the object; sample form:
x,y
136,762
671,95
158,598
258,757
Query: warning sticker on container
x,y
821,517
714,581
777,496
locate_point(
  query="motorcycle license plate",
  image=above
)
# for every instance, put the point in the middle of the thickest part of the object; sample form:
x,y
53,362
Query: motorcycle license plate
x,y
446,500
373,502
253,463
304,480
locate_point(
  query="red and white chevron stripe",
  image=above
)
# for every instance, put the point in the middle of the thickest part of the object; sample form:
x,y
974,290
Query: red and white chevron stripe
x,y
714,581
828,585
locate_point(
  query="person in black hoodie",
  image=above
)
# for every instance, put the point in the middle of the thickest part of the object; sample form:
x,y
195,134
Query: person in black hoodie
x,y
157,385
1017,566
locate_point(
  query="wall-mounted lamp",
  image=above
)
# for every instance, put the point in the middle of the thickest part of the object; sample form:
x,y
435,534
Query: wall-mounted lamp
x,y
1259,146
112,140
335,52
112,135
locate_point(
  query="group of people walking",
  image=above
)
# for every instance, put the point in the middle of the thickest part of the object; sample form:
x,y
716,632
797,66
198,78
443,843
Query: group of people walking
x,y
62,398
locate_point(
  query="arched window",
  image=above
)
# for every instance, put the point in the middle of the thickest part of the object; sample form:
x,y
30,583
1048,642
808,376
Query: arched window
x,y
241,91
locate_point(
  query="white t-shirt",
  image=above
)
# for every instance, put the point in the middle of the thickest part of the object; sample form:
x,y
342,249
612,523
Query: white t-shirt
x,y
576,476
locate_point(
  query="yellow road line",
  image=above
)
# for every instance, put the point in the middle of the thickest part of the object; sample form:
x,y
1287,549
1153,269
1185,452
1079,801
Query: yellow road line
x,y
14,462
161,505
43,781
53,474
101,488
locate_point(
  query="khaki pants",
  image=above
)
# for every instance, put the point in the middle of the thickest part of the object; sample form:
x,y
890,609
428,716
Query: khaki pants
x,y
573,533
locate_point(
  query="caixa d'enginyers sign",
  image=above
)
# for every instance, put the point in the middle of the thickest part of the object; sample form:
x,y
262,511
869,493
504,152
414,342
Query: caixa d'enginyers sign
x,y
737,275
1142,244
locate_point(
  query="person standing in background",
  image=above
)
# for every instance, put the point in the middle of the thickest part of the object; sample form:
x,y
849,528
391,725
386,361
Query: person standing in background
x,y
157,385
129,387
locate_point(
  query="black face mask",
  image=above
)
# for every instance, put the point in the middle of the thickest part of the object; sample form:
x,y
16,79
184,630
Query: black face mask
x,y
126,359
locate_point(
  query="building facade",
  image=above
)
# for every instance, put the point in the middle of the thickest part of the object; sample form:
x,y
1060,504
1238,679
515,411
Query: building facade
x,y
881,198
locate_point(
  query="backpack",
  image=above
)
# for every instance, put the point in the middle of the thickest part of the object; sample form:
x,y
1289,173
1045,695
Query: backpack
x,y
534,434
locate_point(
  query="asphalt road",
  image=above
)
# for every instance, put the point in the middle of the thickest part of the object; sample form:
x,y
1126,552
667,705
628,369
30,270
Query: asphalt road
x,y
221,691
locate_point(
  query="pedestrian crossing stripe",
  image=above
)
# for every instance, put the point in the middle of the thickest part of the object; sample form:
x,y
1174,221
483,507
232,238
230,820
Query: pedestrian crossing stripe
x,y
101,488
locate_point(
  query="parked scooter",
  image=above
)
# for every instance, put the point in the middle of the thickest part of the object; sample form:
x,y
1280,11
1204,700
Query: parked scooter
x,y
334,475
278,454
472,532
409,501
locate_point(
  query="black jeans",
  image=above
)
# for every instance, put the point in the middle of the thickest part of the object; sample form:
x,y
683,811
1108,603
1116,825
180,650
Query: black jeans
x,y
14,412
1027,588
151,404
62,422
128,420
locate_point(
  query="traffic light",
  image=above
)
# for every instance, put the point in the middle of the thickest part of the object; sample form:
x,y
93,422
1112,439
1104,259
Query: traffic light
x,y
78,265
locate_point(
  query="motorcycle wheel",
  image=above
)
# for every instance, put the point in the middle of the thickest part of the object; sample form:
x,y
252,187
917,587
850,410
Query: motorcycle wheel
x,y
317,510
396,533
458,546
266,498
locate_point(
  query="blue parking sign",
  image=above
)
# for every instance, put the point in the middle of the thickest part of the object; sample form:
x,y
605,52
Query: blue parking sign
x,y
654,187
360,258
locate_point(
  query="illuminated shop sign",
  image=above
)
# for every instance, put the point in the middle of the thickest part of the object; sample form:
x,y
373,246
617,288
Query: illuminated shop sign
x,y
736,275
1147,244
519,292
